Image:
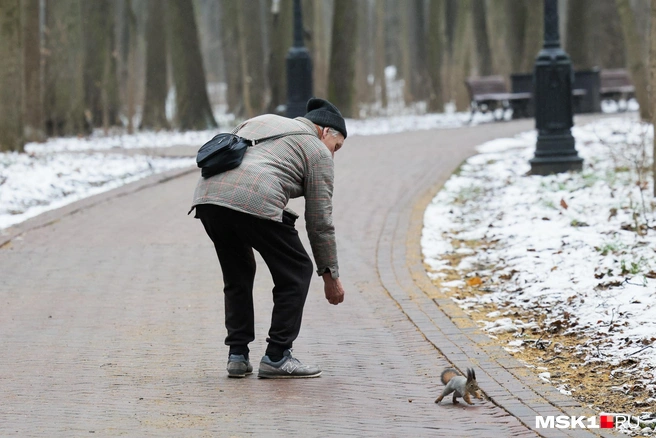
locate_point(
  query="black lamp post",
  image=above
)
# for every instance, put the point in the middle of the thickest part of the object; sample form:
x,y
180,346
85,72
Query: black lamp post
x,y
299,69
553,77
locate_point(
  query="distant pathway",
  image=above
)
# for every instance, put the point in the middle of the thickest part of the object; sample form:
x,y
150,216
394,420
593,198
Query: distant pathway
x,y
111,318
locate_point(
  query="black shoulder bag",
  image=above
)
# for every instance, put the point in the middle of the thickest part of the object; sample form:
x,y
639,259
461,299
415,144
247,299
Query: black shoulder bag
x,y
226,151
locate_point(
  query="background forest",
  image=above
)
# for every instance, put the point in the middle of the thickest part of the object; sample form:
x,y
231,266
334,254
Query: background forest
x,y
75,66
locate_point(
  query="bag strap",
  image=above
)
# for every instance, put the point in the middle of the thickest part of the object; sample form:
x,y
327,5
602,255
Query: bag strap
x,y
275,137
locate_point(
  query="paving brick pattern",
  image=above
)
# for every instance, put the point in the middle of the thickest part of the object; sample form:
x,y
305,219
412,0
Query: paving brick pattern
x,y
111,318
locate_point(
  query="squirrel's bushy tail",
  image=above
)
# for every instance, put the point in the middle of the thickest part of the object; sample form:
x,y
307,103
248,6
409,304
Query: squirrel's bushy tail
x,y
448,374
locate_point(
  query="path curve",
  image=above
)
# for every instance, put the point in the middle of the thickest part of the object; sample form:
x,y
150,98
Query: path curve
x,y
111,318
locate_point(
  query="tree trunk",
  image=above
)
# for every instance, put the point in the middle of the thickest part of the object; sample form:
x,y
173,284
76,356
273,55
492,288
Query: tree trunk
x,y
421,79
154,108
243,62
100,87
435,50
11,70
609,37
342,58
253,70
483,52
634,56
234,78
64,83
533,38
516,11
652,57
321,12
577,40
458,68
130,41
193,111
281,41
32,72
208,13
499,28
451,14
380,58
405,11
363,60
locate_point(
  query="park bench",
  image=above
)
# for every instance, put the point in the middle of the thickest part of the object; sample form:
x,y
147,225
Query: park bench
x,y
489,93
616,85
584,94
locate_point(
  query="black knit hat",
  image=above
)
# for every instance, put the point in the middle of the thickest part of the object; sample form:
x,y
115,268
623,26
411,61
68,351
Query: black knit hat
x,y
323,113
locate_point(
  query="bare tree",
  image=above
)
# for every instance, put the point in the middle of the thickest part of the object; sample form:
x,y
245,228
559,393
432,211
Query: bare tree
x,y
193,109
342,58
634,56
533,37
515,11
577,36
229,37
652,58
498,22
129,64
404,11
32,72
320,13
154,108
64,62
608,38
380,59
458,66
418,49
484,54
364,92
208,14
100,81
281,40
435,50
11,67
253,70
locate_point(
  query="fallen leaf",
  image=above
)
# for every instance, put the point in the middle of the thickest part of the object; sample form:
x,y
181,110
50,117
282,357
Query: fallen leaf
x,y
563,203
474,281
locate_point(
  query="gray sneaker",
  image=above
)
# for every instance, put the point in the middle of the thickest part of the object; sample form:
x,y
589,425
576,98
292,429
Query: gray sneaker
x,y
238,366
286,368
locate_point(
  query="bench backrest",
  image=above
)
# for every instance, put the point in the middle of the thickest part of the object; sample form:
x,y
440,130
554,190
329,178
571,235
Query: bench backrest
x,y
486,85
615,78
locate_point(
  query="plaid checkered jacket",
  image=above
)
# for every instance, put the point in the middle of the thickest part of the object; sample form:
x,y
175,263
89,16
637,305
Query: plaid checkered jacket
x,y
274,172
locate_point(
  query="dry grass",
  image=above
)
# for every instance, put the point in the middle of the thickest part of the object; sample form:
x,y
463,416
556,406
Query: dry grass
x,y
598,385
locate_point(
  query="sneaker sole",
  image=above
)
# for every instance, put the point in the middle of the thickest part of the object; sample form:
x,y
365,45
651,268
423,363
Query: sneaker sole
x,y
287,376
239,376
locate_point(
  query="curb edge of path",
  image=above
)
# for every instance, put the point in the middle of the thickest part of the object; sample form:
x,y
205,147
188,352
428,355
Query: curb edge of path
x,y
49,217
507,382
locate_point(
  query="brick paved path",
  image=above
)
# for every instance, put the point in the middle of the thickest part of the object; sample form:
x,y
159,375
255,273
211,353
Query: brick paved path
x,y
111,318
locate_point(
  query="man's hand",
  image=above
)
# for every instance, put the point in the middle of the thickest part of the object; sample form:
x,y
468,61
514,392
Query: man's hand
x,y
333,289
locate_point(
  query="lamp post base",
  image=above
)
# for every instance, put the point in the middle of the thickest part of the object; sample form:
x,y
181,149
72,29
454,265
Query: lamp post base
x,y
555,153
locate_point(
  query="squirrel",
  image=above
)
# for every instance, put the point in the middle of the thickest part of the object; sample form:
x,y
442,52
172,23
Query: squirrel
x,y
459,385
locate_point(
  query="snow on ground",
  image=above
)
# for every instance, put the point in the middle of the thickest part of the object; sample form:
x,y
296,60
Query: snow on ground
x,y
63,170
579,247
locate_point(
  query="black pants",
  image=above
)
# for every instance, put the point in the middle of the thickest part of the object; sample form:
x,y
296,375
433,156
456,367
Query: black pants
x,y
235,235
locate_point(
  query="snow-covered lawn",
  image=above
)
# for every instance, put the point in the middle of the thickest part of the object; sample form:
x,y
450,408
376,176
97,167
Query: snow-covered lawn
x,y
63,170
572,253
